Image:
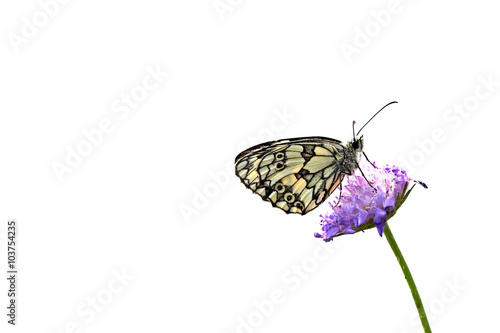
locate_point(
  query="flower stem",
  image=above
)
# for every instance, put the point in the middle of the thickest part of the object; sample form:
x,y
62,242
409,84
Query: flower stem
x,y
408,277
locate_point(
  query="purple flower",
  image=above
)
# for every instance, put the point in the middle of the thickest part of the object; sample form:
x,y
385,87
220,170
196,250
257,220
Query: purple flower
x,y
361,207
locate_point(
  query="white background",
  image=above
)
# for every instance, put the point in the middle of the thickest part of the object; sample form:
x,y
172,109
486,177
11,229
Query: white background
x,y
133,205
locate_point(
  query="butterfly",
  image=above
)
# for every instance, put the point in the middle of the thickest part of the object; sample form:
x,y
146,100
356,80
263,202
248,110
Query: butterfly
x,y
297,175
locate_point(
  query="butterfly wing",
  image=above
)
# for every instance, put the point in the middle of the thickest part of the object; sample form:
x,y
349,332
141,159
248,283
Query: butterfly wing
x,y
295,175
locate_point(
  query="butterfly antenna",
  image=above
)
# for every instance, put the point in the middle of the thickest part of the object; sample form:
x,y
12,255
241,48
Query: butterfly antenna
x,y
375,115
353,136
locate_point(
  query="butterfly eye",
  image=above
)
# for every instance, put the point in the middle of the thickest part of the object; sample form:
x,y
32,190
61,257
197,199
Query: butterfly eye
x,y
280,166
289,197
279,156
355,144
280,188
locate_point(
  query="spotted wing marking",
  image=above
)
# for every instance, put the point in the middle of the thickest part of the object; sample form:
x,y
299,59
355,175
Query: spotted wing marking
x,y
295,175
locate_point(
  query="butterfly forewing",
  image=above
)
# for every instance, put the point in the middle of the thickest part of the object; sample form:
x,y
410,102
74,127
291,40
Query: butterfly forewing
x,y
295,175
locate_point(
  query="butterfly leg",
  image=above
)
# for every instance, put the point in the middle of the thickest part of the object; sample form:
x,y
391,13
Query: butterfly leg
x,y
340,196
369,160
366,179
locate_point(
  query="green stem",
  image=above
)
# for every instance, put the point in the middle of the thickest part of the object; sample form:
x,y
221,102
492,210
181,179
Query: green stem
x,y
408,277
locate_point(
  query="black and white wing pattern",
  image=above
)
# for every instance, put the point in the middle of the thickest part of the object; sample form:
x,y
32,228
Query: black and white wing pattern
x,y
295,175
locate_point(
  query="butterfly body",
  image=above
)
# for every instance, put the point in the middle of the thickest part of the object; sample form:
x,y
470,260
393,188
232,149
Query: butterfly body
x,y
297,175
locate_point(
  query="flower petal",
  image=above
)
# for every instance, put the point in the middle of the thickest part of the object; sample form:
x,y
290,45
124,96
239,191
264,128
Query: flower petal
x,y
379,220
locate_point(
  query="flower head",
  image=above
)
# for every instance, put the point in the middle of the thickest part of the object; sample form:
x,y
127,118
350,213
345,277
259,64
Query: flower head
x,y
361,207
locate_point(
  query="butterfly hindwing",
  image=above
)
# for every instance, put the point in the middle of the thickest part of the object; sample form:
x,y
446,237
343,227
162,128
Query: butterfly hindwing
x,y
295,175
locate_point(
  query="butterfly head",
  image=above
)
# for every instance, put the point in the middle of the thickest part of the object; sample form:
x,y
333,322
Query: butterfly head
x,y
357,144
